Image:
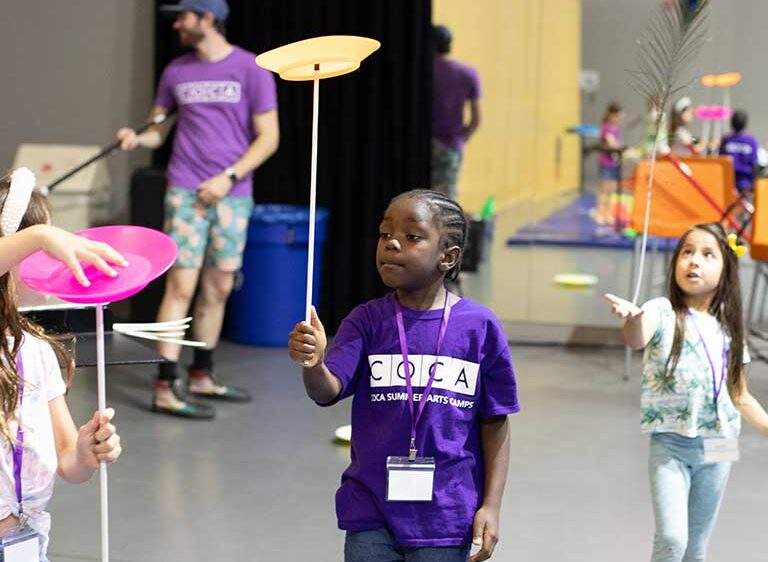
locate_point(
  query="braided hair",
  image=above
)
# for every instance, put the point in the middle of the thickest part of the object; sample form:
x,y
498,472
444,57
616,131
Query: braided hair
x,y
448,217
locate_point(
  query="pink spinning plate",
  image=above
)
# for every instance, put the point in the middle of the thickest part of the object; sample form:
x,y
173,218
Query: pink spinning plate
x,y
713,112
149,253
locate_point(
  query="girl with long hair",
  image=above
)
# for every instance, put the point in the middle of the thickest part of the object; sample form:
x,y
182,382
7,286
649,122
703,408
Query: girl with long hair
x,y
694,389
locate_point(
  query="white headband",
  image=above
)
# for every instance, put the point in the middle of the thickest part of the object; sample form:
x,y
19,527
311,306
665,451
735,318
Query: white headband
x,y
17,201
682,104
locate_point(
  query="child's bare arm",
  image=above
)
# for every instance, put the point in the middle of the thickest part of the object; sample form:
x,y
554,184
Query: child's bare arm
x,y
321,385
610,141
61,245
306,345
751,409
494,434
79,451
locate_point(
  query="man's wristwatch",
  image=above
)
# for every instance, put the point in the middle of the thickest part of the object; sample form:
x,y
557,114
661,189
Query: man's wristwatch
x,y
232,175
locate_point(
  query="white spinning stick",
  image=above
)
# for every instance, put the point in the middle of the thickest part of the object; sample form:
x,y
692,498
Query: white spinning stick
x,y
155,336
315,59
152,326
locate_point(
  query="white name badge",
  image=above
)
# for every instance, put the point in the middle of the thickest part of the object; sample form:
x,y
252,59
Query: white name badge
x,y
410,481
22,545
721,450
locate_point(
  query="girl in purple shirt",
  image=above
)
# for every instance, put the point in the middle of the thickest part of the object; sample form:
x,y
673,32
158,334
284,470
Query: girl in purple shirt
x,y
432,384
610,162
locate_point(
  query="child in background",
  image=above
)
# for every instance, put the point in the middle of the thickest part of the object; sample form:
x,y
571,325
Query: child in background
x,y
681,140
38,437
610,162
649,131
694,389
445,433
742,148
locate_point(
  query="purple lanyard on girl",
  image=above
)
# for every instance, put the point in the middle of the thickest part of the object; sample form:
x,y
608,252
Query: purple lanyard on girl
x,y
407,367
716,387
18,447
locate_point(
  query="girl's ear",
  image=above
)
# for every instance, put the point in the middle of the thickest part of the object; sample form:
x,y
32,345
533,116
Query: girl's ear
x,y
450,258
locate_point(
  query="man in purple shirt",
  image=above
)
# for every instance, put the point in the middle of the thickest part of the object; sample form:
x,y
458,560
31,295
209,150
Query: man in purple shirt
x,y
454,85
226,127
742,148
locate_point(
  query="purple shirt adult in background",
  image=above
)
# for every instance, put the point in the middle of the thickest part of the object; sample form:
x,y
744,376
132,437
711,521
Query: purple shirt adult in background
x,y
475,380
453,84
742,148
215,103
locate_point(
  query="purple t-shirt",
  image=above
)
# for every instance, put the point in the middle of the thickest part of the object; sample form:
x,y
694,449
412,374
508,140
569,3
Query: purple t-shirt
x,y
476,380
215,102
742,148
453,83
609,159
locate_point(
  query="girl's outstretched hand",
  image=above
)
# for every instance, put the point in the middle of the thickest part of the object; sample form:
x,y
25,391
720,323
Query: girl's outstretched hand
x,y
72,249
98,440
624,309
307,343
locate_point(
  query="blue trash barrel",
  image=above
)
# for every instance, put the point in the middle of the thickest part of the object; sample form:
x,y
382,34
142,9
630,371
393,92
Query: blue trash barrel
x,y
269,294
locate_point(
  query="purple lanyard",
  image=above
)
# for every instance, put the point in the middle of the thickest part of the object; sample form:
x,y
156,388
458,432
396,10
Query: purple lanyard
x,y
407,367
716,388
18,447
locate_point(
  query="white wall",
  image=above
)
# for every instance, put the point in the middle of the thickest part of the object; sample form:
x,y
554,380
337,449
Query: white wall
x,y
73,72
738,43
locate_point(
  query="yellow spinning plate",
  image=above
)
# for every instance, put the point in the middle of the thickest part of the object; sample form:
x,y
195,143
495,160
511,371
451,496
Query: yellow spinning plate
x,y
343,434
575,280
313,59
334,54
728,79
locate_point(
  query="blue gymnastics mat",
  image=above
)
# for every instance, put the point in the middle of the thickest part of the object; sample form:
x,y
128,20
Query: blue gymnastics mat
x,y
572,226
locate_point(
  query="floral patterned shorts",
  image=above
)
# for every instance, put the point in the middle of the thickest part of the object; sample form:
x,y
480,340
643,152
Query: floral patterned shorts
x,y
214,236
446,164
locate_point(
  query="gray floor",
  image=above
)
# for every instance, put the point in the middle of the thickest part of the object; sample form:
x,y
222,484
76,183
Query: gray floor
x,y
258,482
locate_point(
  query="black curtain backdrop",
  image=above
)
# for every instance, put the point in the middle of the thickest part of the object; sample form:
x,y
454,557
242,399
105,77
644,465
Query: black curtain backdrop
x,y
374,125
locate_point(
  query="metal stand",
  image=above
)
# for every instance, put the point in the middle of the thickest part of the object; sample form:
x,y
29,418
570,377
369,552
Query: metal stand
x,y
756,311
632,271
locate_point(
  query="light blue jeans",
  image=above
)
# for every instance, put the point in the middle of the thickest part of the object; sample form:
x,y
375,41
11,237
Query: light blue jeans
x,y
379,546
686,494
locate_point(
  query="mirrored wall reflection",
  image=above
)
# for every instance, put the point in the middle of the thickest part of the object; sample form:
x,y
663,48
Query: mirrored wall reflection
x,y
563,231
524,161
